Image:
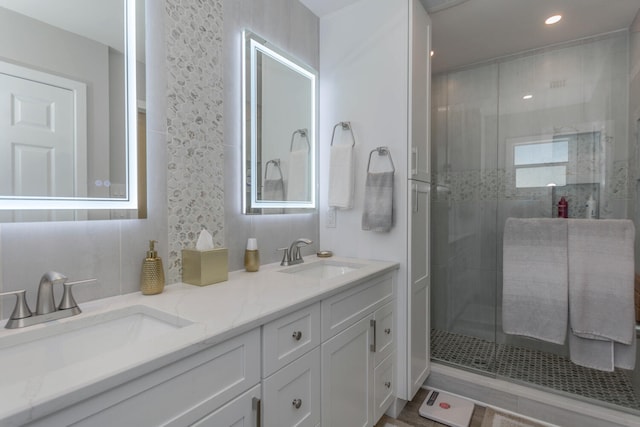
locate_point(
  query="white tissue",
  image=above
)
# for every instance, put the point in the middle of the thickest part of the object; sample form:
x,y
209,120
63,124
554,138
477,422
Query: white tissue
x,y
205,241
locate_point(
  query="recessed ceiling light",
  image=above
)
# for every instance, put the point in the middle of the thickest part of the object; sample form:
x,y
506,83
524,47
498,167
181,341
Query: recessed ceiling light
x,y
553,19
527,96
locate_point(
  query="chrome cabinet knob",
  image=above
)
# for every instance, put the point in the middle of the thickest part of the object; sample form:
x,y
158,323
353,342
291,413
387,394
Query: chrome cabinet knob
x,y
387,331
297,403
387,384
297,335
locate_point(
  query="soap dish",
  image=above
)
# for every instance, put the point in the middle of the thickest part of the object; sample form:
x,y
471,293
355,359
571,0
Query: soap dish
x,y
324,254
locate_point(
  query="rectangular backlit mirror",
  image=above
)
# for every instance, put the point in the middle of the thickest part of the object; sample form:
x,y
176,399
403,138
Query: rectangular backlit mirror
x,y
69,107
279,130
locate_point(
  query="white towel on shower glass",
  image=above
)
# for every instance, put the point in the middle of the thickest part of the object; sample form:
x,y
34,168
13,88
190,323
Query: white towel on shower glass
x,y
535,289
601,293
298,176
341,176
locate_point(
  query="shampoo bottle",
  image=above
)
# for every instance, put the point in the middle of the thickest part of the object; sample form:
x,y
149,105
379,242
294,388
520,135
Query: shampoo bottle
x,y
563,208
591,208
152,279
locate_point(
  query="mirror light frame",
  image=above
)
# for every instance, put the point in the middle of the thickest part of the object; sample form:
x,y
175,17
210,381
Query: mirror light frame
x,y
257,44
131,199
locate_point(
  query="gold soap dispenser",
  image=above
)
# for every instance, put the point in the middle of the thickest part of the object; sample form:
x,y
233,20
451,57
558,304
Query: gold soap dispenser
x,y
152,280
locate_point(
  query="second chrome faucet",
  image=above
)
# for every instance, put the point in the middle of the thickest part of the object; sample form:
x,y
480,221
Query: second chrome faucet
x,y
292,255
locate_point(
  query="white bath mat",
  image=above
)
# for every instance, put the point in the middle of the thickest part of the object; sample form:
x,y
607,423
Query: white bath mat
x,y
447,409
498,419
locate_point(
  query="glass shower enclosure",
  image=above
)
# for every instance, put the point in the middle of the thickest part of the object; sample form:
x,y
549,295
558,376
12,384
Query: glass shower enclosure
x,y
510,138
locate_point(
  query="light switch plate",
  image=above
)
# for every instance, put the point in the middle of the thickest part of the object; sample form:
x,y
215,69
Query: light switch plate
x,y
331,218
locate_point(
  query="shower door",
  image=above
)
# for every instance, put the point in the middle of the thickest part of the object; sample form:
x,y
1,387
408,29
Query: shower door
x,y
464,212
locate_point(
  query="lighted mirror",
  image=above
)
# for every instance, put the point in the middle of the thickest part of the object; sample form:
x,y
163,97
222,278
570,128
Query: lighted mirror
x,y
71,95
279,129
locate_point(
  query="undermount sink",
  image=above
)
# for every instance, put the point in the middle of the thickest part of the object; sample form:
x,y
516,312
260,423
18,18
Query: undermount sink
x,y
322,269
53,346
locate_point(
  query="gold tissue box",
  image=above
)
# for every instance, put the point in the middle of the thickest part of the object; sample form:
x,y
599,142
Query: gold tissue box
x,y
204,268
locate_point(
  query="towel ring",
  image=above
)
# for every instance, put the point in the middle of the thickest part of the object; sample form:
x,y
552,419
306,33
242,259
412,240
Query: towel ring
x,y
303,134
276,164
382,151
345,126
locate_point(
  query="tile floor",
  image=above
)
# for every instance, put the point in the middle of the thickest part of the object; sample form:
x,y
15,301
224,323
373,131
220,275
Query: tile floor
x,y
536,367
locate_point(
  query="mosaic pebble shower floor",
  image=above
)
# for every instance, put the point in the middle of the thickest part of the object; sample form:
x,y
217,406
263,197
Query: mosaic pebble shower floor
x,y
535,367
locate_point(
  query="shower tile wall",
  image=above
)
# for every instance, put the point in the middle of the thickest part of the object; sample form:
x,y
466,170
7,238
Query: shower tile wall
x,y
478,114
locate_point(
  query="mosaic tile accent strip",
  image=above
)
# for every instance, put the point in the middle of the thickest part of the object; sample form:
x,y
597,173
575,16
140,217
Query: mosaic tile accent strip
x,y
535,367
195,179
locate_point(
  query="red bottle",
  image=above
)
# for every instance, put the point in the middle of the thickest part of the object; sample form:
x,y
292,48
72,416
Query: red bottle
x,y
563,208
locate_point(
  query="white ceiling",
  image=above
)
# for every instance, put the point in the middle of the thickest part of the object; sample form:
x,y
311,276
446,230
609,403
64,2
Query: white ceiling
x,y
478,30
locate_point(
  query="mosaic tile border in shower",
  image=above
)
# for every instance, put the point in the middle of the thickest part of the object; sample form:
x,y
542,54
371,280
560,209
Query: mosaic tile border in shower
x,y
499,184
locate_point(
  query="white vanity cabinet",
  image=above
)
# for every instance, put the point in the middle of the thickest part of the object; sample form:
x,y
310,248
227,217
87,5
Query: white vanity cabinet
x,y
329,363
358,354
191,390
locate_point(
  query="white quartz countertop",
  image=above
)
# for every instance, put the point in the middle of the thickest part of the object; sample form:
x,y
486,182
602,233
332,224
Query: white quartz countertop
x,y
217,312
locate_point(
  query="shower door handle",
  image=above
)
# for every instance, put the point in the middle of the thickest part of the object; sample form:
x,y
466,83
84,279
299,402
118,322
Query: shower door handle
x,y
372,347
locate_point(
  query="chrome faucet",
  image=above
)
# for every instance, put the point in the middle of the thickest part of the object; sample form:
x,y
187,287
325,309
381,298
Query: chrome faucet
x,y
292,255
46,309
45,303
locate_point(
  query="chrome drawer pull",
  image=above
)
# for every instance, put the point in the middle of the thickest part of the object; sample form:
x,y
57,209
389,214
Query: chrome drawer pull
x,y
297,403
297,335
373,347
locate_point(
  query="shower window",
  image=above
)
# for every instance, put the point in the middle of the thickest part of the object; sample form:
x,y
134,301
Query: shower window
x,y
541,163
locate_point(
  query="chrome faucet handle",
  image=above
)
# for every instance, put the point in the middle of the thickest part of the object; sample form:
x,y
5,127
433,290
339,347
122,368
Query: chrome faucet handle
x,y
21,309
67,302
286,257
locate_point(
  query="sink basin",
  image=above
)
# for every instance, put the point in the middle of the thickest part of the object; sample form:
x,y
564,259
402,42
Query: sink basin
x,y
322,269
57,345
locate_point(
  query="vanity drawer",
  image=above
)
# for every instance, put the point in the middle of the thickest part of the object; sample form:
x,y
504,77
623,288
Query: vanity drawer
x,y
292,395
384,332
383,387
346,308
287,338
